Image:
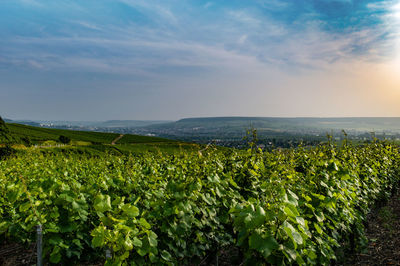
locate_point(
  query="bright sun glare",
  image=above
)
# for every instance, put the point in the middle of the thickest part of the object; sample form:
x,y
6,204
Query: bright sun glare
x,y
395,25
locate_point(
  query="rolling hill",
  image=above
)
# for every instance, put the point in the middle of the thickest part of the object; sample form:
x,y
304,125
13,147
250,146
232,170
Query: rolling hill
x,y
87,141
40,134
227,127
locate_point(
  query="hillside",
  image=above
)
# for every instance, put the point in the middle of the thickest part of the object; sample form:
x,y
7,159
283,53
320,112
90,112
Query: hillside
x,y
234,128
95,143
92,125
360,124
39,134
225,131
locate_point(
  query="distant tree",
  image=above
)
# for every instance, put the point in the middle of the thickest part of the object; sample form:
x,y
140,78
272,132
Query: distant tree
x,y
6,152
4,138
64,139
27,141
3,126
7,137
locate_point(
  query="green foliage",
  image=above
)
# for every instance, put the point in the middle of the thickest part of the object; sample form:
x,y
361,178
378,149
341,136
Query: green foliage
x,y
64,139
281,207
5,135
6,152
2,124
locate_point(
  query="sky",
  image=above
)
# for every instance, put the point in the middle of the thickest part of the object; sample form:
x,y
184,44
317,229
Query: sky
x,y
170,59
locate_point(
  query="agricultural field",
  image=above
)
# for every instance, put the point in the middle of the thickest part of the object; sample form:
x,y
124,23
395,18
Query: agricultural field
x,y
287,206
92,143
39,134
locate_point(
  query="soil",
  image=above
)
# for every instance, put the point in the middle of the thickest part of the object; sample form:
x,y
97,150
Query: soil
x,y
12,254
383,234
118,138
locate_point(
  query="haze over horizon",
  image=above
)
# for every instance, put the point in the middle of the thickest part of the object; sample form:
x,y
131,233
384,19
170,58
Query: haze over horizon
x,y
167,60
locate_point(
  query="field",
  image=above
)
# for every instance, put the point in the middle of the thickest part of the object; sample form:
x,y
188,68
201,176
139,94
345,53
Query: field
x,y
39,134
92,143
287,206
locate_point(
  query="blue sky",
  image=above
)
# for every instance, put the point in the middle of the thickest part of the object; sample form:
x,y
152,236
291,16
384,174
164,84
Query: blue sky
x,y
145,59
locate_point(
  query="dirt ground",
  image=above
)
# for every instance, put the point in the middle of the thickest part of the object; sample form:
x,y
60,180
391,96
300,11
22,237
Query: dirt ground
x,y
12,254
383,234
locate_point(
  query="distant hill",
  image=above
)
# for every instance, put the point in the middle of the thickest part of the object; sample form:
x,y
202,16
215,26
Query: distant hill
x,y
235,127
130,123
95,124
297,123
205,129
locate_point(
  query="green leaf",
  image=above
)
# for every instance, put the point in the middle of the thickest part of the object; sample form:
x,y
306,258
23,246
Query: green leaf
x,y
131,211
137,242
152,239
292,197
102,203
98,236
128,245
55,256
290,254
144,223
291,210
292,233
263,245
301,221
165,255
3,227
75,205
152,257
320,216
24,207
242,236
319,230
78,243
141,252
255,218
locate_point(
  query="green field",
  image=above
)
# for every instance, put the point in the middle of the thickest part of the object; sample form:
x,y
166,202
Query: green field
x,y
294,206
39,134
153,201
94,143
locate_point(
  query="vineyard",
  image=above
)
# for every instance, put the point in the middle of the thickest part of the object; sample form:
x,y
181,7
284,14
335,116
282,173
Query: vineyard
x,y
40,134
294,206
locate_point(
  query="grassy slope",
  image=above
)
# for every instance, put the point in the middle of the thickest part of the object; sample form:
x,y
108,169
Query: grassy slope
x,y
97,143
38,134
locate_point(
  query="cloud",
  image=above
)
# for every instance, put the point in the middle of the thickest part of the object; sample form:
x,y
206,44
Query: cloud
x,y
180,36
162,12
208,4
87,25
33,3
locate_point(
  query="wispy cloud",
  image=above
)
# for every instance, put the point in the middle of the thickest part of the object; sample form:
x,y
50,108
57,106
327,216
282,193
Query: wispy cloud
x,y
177,35
208,4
